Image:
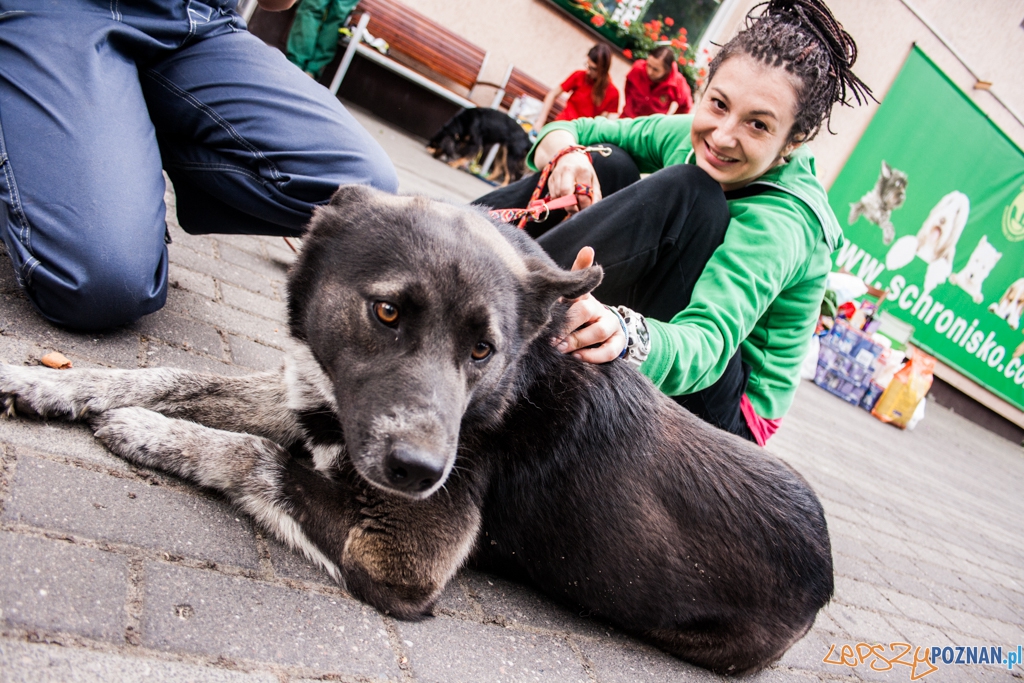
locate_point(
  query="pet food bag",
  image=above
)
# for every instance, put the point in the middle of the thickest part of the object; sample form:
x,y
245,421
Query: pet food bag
x,y
906,390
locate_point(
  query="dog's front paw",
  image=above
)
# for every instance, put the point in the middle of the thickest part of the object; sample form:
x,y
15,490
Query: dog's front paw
x,y
138,435
35,392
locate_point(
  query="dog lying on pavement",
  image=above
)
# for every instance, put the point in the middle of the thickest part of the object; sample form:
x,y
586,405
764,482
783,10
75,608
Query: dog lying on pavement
x,y
420,360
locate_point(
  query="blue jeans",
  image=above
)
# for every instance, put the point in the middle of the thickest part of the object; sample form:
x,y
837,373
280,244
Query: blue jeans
x,y
97,96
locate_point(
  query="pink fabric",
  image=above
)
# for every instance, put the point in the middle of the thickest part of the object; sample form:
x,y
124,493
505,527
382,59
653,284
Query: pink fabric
x,y
761,428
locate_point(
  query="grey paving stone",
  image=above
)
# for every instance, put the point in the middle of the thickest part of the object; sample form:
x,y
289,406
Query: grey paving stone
x,y
180,277
916,609
35,663
203,244
857,593
455,600
162,355
64,439
861,624
279,252
59,586
118,347
49,495
291,565
1004,632
14,351
444,650
256,263
182,331
256,245
992,601
232,320
851,547
255,355
783,675
809,653
223,271
860,568
8,282
208,613
263,306
826,627
620,660
513,604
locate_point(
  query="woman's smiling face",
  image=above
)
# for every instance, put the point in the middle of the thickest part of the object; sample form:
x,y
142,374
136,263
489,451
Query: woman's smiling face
x,y
741,127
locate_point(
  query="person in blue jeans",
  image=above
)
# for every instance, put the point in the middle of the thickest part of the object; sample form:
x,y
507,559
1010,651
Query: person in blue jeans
x,y
97,96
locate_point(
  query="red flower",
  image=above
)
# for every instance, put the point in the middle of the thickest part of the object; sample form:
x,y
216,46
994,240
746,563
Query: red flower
x,y
662,38
628,54
669,21
702,73
597,20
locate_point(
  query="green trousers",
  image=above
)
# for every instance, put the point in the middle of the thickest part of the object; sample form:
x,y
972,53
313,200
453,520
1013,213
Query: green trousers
x,y
313,39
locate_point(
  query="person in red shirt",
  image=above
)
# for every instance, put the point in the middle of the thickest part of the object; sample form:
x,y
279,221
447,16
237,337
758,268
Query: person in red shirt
x,y
655,86
591,92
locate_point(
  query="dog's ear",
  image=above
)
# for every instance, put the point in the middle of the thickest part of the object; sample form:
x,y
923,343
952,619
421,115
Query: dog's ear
x,y
886,170
350,195
546,284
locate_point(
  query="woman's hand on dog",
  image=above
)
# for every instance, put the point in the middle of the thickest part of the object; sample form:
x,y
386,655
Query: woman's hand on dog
x,y
592,332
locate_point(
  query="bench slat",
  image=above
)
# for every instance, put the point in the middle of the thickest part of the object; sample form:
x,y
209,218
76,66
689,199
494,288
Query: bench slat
x,y
425,42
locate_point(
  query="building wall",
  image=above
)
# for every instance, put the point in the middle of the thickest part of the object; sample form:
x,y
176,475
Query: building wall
x,y
538,38
533,35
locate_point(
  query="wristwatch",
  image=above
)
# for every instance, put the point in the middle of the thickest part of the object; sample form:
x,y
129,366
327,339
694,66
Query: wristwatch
x,y
638,337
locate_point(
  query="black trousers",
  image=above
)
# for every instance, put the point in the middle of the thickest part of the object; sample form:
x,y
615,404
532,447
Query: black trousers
x,y
653,238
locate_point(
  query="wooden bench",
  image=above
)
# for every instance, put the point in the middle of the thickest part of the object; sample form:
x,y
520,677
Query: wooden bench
x,y
520,83
420,50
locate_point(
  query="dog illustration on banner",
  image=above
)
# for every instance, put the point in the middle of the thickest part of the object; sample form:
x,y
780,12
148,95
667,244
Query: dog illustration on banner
x,y
983,259
1011,305
889,193
935,243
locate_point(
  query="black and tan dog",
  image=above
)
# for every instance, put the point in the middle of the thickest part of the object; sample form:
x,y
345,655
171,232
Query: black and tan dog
x,y
420,359
473,131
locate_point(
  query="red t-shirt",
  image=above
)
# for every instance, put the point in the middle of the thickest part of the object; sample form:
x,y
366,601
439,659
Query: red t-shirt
x,y
581,102
644,98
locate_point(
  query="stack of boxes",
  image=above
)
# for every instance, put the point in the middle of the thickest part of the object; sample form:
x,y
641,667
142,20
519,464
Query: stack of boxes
x,y
846,364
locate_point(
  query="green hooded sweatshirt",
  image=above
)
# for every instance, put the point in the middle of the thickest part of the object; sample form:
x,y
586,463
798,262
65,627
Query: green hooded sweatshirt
x,y
761,290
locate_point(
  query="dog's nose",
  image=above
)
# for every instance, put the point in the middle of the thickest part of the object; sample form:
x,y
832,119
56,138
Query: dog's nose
x,y
412,469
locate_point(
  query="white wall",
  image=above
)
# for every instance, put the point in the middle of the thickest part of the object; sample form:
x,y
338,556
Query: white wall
x,y
531,34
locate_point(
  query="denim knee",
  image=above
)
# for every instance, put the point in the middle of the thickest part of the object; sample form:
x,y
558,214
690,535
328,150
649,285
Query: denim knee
x,y
99,296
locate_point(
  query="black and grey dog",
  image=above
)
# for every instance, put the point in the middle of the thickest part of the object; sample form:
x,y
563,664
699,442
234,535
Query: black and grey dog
x,y
420,359
471,131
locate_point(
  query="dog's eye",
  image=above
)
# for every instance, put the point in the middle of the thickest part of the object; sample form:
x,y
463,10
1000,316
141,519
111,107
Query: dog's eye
x,y
482,350
386,313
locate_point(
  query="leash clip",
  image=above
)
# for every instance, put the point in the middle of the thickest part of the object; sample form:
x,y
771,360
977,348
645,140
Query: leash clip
x,y
600,149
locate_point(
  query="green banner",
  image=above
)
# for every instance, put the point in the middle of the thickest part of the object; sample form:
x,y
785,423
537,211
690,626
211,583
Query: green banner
x,y
934,200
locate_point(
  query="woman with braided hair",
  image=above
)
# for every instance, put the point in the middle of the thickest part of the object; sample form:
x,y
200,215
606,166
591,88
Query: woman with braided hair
x,y
721,253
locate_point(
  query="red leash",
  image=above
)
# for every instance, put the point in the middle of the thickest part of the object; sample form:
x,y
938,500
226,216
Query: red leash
x,y
539,209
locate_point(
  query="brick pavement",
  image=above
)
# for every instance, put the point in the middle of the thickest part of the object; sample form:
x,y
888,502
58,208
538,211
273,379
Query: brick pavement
x,y
114,573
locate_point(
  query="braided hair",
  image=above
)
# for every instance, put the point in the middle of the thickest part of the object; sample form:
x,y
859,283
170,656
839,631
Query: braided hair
x,y
804,38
